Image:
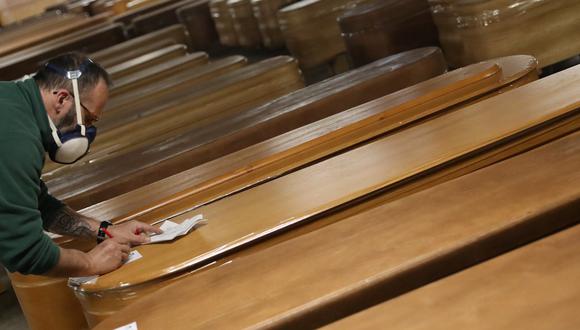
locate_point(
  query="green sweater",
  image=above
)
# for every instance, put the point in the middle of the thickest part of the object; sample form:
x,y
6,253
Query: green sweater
x,y
24,199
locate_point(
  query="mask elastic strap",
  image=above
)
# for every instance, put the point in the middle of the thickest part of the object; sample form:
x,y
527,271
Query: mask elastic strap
x,y
74,75
54,130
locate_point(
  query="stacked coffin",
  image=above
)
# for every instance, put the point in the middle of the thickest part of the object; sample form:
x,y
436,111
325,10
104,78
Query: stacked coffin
x,y
320,201
472,31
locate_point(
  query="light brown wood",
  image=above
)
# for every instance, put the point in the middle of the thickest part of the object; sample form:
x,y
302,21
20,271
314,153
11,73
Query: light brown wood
x,y
312,192
142,62
228,94
158,72
258,124
14,11
88,40
376,252
475,31
54,27
135,47
311,31
532,287
272,158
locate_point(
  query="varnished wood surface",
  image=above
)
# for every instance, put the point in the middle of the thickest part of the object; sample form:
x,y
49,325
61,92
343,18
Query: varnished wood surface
x,y
163,17
144,8
311,32
58,25
197,19
376,252
242,89
384,164
532,287
15,11
266,12
158,72
275,118
142,62
271,158
25,61
224,23
245,24
475,31
138,46
381,28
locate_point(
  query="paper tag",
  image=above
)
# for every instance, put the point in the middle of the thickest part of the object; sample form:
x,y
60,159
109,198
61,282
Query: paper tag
x,y
132,326
171,230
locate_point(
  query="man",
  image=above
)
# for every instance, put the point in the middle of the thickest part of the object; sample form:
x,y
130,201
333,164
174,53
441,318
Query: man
x,y
54,112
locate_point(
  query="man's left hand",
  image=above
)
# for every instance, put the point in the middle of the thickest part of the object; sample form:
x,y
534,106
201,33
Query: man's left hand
x,y
133,232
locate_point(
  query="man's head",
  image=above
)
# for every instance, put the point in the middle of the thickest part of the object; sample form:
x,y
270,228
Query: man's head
x,y
57,90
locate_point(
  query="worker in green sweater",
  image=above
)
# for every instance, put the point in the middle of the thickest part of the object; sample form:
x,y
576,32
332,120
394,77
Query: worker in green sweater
x,y
53,113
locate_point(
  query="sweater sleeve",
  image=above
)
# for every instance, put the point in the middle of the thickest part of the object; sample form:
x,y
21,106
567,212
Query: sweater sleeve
x,y
23,245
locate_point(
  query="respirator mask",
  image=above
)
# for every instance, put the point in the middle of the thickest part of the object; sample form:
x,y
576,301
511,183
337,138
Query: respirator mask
x,y
69,147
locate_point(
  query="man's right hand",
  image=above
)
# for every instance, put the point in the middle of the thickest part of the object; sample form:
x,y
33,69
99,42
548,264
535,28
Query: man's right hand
x,y
107,256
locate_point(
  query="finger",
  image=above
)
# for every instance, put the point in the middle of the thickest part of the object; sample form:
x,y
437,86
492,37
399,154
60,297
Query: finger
x,y
124,256
143,227
125,248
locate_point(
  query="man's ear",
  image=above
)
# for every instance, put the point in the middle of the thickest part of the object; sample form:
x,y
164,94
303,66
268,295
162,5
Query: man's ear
x,y
61,96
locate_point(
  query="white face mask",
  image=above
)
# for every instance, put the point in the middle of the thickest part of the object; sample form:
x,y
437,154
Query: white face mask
x,y
69,147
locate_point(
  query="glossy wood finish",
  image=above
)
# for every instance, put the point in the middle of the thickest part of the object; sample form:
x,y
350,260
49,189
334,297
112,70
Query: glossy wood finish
x,y
290,151
311,31
245,24
459,140
157,92
266,12
197,19
382,28
532,286
475,31
53,27
88,40
142,8
175,34
145,61
163,17
379,252
221,97
158,72
258,124
224,23
12,12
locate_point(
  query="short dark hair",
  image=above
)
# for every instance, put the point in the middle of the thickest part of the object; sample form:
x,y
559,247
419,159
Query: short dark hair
x,y
51,74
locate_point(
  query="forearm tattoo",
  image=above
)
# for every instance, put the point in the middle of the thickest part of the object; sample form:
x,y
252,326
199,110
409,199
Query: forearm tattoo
x,y
69,222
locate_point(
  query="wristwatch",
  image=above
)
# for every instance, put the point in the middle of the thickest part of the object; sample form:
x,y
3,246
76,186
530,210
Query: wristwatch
x,y
101,233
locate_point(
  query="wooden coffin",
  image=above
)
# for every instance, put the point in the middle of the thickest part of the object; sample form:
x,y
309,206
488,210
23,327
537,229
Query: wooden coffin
x,y
311,31
158,72
160,89
53,27
225,95
175,34
305,145
245,24
385,27
376,252
265,12
225,173
14,11
224,23
196,17
135,9
474,31
532,287
145,61
165,16
26,61
522,119
292,111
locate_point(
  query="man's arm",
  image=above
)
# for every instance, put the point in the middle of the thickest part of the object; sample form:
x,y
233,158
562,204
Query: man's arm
x,y
66,221
104,258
